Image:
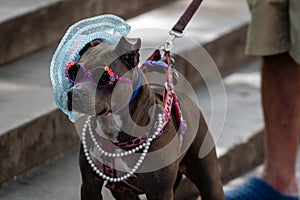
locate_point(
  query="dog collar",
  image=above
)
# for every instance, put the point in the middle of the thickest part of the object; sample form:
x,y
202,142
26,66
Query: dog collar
x,y
135,92
107,28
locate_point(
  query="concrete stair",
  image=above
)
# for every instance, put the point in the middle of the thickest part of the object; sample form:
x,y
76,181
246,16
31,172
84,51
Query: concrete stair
x,y
34,133
31,25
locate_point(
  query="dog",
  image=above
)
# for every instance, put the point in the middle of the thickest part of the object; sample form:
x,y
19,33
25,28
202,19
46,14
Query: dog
x,y
100,103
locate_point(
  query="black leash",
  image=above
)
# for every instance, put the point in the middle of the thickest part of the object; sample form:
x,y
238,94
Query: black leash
x,y
178,28
186,17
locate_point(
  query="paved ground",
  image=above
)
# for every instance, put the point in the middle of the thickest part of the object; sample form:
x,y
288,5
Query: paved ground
x,y
243,110
58,180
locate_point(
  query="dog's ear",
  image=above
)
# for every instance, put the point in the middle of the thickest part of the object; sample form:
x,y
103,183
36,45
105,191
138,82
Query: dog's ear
x,y
95,42
89,45
126,45
128,49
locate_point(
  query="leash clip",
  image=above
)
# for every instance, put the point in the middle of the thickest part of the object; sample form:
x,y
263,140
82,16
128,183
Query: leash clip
x,y
166,86
168,45
175,73
176,34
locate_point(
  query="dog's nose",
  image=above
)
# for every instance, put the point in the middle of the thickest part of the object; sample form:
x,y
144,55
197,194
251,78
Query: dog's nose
x,y
76,94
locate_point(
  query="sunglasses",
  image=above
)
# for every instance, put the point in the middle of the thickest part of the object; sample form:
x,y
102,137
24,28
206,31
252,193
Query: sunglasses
x,y
100,76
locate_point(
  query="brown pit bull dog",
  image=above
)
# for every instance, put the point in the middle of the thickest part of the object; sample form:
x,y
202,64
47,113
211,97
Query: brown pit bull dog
x,y
122,85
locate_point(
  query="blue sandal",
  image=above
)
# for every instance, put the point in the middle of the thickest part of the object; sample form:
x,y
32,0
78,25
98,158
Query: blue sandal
x,y
256,189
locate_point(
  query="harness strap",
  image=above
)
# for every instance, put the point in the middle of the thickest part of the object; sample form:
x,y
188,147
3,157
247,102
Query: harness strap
x,y
170,99
109,168
186,17
167,104
133,143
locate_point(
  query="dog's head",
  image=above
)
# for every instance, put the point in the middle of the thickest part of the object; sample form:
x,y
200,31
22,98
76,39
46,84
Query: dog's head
x,y
104,78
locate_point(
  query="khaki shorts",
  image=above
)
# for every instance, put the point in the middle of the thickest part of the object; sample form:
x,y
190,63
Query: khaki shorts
x,y
274,28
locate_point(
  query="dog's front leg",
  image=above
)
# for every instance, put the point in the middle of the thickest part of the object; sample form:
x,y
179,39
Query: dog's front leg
x,y
91,184
159,185
166,195
124,196
203,172
90,193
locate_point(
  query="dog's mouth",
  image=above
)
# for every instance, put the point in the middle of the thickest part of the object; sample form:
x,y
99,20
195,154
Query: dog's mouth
x,y
104,112
108,125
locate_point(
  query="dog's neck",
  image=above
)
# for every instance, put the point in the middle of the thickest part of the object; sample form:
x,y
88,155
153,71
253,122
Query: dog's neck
x,y
137,118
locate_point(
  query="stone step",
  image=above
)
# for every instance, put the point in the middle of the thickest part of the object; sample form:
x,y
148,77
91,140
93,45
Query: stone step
x,y
239,146
33,130
30,25
255,172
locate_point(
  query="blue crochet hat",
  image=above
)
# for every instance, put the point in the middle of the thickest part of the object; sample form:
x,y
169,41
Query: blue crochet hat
x,y
108,28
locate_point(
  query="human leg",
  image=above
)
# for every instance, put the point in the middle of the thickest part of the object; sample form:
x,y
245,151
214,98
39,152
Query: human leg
x,y
281,105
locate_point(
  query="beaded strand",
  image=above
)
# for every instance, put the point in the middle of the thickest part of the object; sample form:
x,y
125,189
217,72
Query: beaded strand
x,y
145,146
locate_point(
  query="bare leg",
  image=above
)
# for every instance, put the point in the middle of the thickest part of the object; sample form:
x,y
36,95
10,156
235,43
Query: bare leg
x,y
281,105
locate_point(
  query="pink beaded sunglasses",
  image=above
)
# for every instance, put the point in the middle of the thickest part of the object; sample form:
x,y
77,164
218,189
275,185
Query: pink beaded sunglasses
x,y
100,76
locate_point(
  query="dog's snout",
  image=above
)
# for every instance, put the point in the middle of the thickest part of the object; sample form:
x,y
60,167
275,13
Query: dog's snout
x,y
74,97
81,98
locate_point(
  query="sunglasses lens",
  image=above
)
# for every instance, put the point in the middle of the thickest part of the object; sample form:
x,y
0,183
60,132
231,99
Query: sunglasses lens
x,y
74,73
105,79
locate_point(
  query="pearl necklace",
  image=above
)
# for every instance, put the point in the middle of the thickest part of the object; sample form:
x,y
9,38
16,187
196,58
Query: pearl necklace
x,y
145,145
